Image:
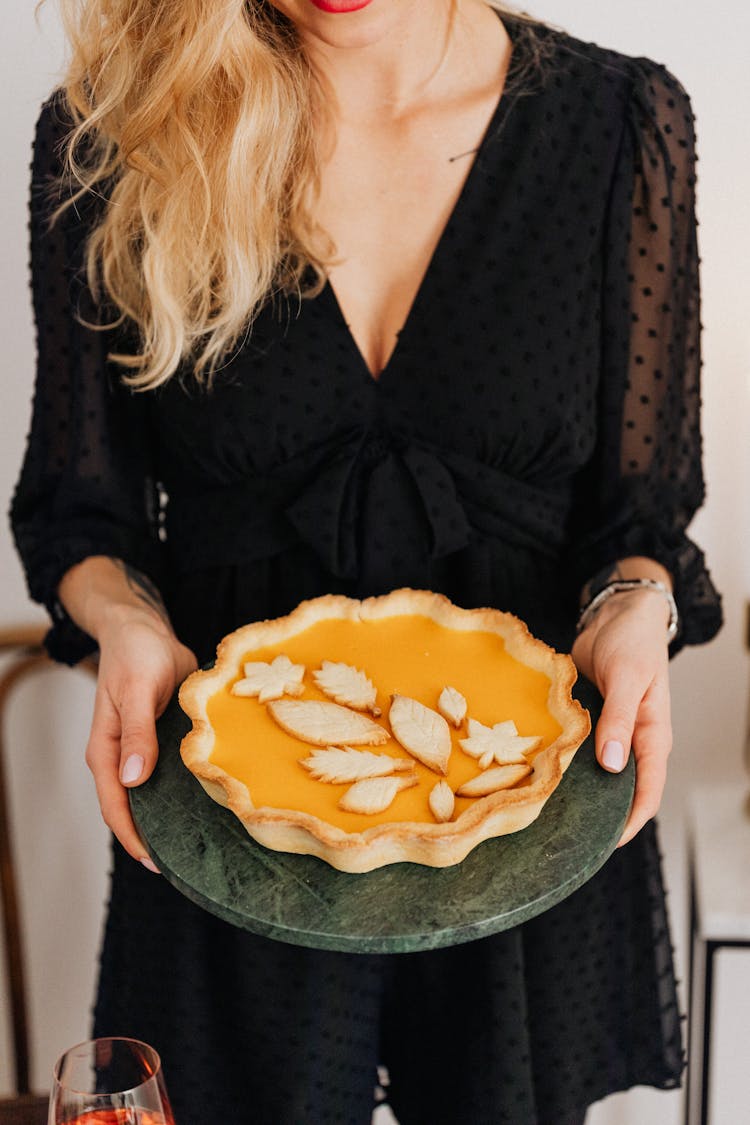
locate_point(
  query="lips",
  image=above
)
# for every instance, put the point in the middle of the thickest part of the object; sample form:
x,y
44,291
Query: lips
x,y
340,7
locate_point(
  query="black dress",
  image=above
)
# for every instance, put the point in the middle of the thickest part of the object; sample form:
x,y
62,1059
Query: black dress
x,y
538,419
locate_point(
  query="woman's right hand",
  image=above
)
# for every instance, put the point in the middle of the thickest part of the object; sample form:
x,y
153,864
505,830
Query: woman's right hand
x,y
141,665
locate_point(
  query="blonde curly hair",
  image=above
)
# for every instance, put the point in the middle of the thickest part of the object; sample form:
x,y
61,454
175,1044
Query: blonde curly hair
x,y
195,119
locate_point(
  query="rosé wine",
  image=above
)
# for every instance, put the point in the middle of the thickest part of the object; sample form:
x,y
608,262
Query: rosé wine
x,y
128,1116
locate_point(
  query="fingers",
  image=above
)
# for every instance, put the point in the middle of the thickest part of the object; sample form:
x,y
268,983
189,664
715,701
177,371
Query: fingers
x,y
651,776
625,655
122,751
637,717
139,748
652,744
614,731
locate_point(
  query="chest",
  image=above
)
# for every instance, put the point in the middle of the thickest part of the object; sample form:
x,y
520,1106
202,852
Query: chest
x,y
386,199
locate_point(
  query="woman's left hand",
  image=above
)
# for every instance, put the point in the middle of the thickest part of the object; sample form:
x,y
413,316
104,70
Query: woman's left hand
x,y
624,652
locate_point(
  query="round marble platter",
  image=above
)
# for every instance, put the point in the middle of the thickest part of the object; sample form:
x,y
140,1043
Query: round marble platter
x,y
203,850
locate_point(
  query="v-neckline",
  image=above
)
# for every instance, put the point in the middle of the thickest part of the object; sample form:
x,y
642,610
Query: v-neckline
x,y
493,124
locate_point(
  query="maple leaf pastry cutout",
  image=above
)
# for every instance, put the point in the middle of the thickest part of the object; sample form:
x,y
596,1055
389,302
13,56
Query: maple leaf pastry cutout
x,y
501,744
270,681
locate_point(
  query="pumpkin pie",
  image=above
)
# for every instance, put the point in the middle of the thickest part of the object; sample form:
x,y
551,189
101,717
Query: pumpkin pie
x,y
395,728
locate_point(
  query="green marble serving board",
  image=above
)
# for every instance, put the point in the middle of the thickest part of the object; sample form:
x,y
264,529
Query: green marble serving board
x,y
203,850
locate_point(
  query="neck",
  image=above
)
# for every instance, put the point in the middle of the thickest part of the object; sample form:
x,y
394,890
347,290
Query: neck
x,y
388,66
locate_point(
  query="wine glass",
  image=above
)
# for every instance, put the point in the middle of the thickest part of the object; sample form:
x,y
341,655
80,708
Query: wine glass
x,y
112,1081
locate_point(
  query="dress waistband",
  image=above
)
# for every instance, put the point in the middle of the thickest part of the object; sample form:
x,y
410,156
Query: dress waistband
x,y
368,496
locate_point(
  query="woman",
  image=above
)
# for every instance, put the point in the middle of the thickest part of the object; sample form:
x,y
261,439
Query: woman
x,y
393,294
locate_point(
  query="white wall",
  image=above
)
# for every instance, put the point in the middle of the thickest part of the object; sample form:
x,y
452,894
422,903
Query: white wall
x,y
61,846
702,45
60,842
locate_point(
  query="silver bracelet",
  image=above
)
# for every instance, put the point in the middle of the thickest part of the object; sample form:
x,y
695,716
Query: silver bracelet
x,y
621,585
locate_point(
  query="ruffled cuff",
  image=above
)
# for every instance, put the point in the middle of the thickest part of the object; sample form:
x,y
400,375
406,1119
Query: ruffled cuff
x,y
698,601
66,642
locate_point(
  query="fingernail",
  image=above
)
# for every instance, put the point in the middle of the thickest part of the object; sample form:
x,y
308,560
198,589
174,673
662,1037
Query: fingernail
x,y
150,865
613,755
132,769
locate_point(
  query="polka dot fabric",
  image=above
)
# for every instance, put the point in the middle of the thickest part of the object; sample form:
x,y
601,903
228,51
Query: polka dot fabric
x,y
537,420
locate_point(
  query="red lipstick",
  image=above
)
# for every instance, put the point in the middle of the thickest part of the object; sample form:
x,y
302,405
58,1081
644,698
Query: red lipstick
x,y
339,7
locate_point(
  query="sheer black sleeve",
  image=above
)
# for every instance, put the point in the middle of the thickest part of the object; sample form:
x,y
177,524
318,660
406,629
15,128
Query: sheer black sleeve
x,y
84,488
646,480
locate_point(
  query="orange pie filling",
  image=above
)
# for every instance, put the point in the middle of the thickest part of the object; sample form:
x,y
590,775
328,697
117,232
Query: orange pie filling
x,y
406,654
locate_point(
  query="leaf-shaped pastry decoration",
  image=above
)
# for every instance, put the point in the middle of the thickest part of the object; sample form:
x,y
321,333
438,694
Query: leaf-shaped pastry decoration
x,y
348,685
326,724
271,681
375,794
421,731
501,743
452,706
492,781
442,802
339,764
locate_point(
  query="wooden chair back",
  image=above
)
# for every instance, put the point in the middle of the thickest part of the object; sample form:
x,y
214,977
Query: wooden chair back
x,y
21,654
25,1109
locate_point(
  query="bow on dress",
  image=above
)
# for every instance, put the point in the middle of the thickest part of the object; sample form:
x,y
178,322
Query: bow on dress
x,y
377,510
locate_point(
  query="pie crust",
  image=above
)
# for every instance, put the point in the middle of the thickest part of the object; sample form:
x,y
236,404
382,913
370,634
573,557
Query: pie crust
x,y
353,844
